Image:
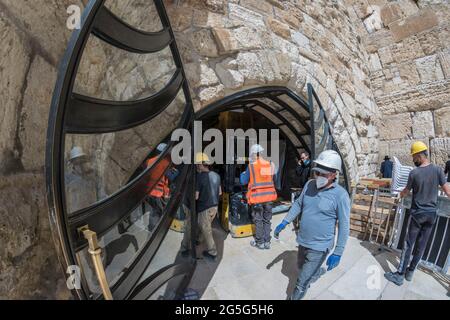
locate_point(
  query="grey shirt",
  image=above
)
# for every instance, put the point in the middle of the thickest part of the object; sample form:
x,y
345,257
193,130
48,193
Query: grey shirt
x,y
424,183
321,210
208,187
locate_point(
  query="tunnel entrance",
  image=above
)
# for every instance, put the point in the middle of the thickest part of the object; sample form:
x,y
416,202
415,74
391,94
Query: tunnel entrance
x,y
114,192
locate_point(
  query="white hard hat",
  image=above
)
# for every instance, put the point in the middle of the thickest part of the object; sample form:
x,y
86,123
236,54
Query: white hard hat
x,y
256,148
76,152
161,147
328,159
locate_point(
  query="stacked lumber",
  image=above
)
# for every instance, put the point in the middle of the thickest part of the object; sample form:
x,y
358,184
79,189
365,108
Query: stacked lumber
x,y
359,214
373,211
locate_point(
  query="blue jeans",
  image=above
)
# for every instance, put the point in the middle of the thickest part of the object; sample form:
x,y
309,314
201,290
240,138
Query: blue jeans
x,y
309,263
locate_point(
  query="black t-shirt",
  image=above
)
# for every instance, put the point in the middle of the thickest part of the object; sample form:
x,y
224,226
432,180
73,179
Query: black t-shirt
x,y
208,187
424,183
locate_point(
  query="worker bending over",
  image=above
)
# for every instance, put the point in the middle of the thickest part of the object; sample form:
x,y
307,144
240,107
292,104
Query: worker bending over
x,y
423,181
261,192
322,203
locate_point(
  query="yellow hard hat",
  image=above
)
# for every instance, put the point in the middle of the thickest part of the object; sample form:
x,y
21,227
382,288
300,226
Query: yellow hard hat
x,y
417,147
201,157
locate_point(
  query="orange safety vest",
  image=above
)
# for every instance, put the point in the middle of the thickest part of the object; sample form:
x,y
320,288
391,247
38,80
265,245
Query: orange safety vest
x,y
260,187
161,189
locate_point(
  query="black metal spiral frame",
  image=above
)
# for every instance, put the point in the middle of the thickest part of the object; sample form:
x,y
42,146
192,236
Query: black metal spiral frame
x,y
74,113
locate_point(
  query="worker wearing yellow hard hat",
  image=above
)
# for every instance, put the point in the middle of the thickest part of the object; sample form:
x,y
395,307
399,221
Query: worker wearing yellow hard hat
x,y
423,181
207,195
418,147
201,157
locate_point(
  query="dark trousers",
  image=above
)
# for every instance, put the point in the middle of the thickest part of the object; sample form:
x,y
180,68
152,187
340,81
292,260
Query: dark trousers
x,y
262,216
309,262
419,231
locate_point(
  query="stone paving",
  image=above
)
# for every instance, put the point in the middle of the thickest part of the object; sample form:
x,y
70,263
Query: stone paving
x,y
244,272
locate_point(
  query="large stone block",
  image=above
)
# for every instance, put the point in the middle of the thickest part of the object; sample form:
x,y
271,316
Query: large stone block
x,y
229,75
262,6
440,150
243,38
404,28
429,69
249,17
203,42
423,125
34,117
279,28
28,262
394,127
14,63
45,21
442,120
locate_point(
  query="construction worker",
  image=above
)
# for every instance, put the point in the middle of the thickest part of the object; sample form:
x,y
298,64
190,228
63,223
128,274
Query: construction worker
x,y
423,181
322,203
81,191
259,176
207,195
158,194
303,169
386,168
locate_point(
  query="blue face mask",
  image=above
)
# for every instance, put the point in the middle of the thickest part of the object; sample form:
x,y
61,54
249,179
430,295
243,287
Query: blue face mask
x,y
306,162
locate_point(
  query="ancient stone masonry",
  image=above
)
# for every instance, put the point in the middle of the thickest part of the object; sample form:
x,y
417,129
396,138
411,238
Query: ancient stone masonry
x,y
228,46
409,51
381,69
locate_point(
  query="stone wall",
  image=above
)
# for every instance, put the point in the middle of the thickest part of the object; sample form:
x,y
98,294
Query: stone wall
x,y
409,48
228,46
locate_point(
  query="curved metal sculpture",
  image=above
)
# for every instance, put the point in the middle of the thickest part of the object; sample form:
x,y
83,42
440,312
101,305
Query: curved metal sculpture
x,y
74,113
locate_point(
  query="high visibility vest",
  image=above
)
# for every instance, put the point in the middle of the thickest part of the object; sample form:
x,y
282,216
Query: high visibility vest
x,y
261,187
161,189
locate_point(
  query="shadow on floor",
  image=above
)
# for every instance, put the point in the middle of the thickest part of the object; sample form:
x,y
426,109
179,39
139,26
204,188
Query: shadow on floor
x,y
289,268
381,258
205,268
442,279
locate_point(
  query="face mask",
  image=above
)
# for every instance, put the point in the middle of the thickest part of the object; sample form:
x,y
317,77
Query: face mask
x,y
306,162
417,163
321,182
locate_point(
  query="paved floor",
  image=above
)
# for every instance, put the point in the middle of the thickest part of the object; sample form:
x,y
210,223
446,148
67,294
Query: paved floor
x,y
244,272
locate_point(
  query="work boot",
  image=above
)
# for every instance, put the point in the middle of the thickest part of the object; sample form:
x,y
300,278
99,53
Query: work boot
x,y
253,243
209,256
394,277
409,275
267,245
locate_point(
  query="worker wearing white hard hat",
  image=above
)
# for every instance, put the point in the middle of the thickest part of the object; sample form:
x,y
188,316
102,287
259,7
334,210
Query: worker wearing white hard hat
x,y
322,204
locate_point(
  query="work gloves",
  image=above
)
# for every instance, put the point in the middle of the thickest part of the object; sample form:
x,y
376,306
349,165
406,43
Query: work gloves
x,y
280,228
333,261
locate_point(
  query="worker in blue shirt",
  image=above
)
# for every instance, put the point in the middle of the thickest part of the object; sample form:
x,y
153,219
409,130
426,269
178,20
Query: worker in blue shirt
x,y
322,204
386,167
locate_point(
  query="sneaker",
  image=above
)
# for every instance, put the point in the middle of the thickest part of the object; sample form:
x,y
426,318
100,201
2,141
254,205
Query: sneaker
x,y
267,245
257,245
409,275
209,256
394,277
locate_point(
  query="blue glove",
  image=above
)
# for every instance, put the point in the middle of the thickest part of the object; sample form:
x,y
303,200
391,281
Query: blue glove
x,y
280,228
333,261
